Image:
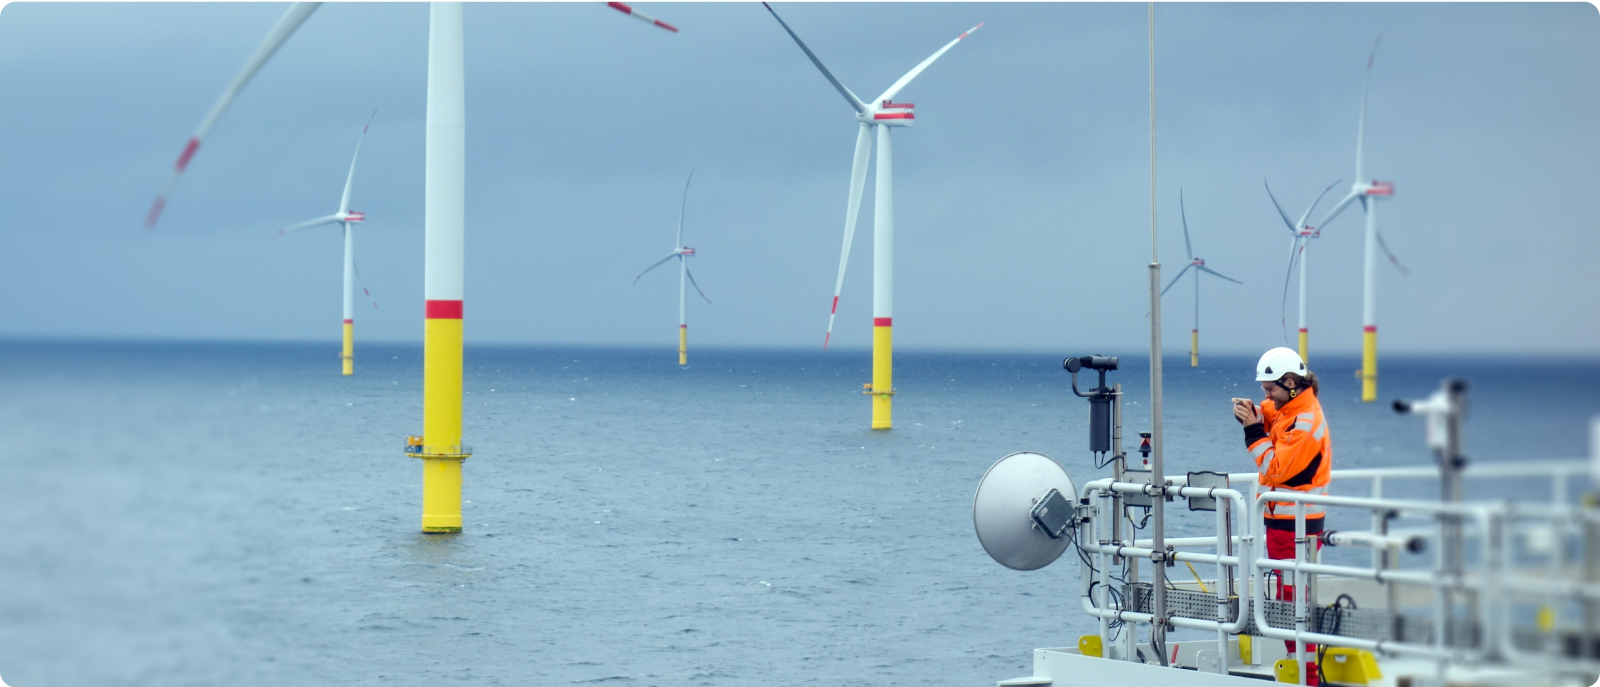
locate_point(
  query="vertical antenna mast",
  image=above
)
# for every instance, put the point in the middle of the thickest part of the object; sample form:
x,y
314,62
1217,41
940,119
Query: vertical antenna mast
x,y
1158,627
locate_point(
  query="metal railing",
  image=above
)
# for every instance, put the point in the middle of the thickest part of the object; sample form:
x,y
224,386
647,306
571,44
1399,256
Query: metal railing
x,y
1476,603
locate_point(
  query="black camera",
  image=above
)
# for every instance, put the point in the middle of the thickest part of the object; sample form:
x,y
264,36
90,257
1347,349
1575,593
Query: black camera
x,y
1099,398
1093,362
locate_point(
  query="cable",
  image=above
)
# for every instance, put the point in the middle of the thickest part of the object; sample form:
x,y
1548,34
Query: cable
x,y
1338,619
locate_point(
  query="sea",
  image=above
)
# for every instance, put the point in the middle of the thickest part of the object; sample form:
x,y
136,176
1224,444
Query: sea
x,y
201,513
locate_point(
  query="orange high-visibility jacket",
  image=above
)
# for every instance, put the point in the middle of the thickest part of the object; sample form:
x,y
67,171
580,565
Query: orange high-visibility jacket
x,y
1293,450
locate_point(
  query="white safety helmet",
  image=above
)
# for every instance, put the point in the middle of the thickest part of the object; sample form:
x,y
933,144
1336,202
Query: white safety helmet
x,y
1274,364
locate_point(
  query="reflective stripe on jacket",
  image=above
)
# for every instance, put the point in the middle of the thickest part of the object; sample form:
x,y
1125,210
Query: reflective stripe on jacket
x,y
1293,450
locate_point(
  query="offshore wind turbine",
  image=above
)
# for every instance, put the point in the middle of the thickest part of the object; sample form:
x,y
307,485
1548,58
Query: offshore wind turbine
x,y
1198,265
881,114
1299,250
685,277
1368,192
444,210
347,219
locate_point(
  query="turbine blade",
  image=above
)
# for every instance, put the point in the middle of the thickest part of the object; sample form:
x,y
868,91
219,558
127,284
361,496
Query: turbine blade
x,y
1283,306
1307,214
291,20
1175,278
1185,216
658,264
848,96
344,200
636,14
1208,270
309,223
1361,126
363,283
690,274
1392,258
895,89
1292,228
858,182
681,210
1337,208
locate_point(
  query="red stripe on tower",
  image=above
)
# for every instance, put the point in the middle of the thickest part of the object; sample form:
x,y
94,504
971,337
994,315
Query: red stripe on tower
x,y
1370,328
883,321
683,326
349,321
443,310
1303,330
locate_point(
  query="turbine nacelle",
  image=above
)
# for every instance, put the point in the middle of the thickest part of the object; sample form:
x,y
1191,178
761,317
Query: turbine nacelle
x,y
889,113
686,251
1198,262
353,217
1376,188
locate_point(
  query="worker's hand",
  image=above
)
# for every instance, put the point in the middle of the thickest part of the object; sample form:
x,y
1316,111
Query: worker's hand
x,y
1245,411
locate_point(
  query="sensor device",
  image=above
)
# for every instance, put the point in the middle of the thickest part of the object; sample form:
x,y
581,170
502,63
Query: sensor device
x,y
1023,510
1053,514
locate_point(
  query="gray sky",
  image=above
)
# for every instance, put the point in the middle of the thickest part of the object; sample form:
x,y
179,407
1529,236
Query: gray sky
x,y
1022,192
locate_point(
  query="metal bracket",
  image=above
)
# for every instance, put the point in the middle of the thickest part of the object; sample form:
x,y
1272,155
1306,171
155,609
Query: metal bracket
x,y
415,449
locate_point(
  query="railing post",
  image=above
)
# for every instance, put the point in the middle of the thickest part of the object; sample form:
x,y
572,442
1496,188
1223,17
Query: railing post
x,y
1300,606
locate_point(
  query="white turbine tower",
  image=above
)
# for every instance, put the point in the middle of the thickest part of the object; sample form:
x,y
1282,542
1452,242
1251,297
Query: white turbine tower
x,y
440,445
347,219
1368,192
1299,244
1198,265
881,114
685,277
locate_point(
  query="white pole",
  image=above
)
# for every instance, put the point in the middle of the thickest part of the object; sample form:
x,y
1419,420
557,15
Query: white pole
x,y
445,176
349,272
444,217
1369,276
883,231
1305,334
683,285
883,286
1158,577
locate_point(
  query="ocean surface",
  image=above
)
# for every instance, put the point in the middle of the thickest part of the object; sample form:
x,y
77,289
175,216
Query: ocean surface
x,y
240,514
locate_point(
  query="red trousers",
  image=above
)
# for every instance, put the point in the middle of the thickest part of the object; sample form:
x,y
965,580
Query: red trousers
x,y
1280,545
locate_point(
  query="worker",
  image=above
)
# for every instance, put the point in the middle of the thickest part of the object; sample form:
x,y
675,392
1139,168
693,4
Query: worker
x,y
1293,449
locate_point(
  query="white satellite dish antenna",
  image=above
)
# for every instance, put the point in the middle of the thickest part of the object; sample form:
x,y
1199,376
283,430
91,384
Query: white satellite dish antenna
x,y
1024,510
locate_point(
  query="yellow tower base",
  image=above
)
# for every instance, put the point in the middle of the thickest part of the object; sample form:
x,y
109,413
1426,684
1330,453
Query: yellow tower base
x,y
348,355
683,344
882,372
441,495
1369,364
1305,356
1194,348
440,445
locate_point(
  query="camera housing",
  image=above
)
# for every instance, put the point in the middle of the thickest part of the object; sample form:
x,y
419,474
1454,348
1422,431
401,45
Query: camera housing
x,y
1102,363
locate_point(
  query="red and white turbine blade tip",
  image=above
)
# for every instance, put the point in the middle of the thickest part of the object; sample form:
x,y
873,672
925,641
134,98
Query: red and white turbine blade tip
x,y
182,164
831,315
630,11
969,31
